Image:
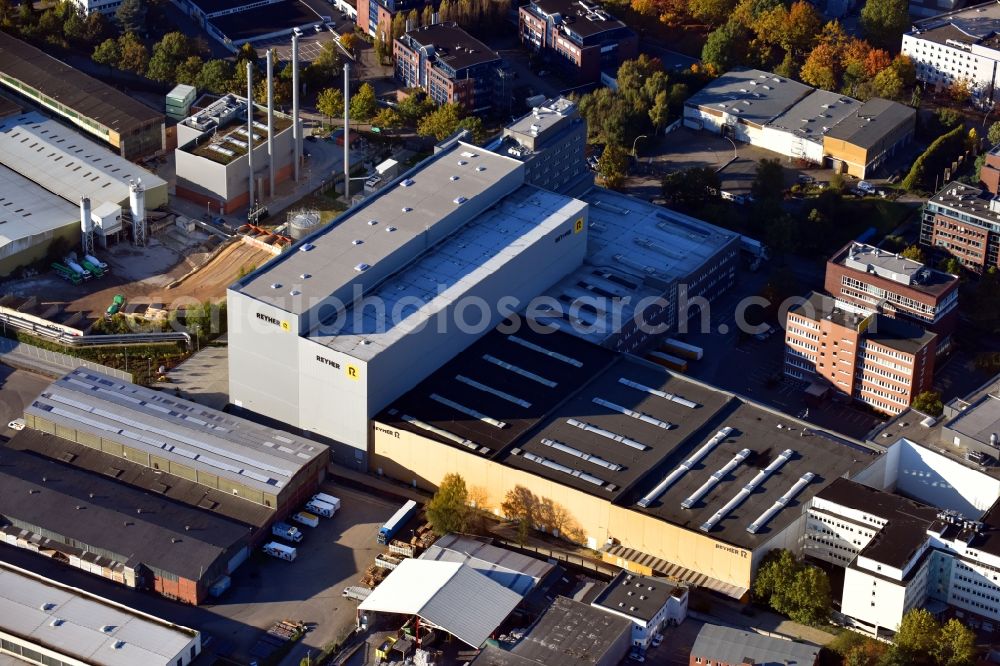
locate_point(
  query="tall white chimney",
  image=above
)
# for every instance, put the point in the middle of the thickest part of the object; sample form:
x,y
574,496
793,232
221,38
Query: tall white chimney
x,y
270,120
137,206
86,227
296,129
250,175
347,133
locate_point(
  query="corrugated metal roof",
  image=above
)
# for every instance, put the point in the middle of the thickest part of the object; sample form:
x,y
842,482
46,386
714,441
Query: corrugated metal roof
x,y
514,571
449,595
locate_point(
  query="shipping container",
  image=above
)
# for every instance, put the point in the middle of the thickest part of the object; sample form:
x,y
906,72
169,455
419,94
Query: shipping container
x,y
682,349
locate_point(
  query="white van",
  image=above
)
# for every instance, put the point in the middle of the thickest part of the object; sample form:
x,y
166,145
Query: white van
x,y
281,551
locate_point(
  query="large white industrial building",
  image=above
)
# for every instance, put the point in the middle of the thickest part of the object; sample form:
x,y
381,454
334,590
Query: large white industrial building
x,y
356,314
46,168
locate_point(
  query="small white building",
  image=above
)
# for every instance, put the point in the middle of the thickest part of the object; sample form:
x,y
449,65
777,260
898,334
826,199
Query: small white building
x,y
650,603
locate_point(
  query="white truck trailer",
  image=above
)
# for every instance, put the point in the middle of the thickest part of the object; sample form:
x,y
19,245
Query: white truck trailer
x,y
306,518
329,499
320,508
281,551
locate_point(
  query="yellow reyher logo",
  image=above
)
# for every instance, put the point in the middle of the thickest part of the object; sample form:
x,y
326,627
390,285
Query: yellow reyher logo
x,y
285,326
578,227
353,372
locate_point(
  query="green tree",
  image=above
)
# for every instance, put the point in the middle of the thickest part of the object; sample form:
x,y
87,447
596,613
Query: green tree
x,y
133,54
725,47
323,70
915,253
769,182
415,106
382,53
398,26
167,55
107,53
387,119
363,104
75,28
612,166
448,510
440,123
712,12
475,126
215,75
993,134
98,27
131,16
918,633
427,16
951,265
659,112
798,590
928,402
444,11
330,103
187,72
50,27
888,84
956,645
690,189
247,52
883,21
350,41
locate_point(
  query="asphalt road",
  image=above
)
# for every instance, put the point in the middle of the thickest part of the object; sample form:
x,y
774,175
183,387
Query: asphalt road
x,y
17,389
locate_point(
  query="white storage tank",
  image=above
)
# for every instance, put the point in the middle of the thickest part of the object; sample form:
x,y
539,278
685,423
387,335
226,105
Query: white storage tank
x,y
302,223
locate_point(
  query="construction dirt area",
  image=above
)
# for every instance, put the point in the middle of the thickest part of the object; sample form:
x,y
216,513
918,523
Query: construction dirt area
x,y
175,270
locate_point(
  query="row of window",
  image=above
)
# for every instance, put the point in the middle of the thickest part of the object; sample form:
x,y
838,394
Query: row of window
x,y
864,289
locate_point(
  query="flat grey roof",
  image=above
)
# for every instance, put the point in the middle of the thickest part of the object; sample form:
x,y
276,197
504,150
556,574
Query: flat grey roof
x,y
330,255
516,572
540,120
613,467
970,25
635,249
174,428
816,114
979,420
963,199
766,435
891,266
872,122
448,271
755,96
450,45
29,213
29,604
66,163
734,646
640,597
156,481
123,522
571,633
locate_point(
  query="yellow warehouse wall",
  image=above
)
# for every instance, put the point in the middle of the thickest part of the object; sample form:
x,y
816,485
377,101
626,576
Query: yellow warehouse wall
x,y
856,158
411,458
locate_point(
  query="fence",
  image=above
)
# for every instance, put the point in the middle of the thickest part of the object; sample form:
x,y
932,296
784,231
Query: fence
x,y
54,364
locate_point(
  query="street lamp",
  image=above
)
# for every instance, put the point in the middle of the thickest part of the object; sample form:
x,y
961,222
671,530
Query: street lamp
x,y
641,136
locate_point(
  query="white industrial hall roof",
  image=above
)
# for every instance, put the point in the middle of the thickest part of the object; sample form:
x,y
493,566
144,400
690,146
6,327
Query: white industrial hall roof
x,y
84,626
374,232
184,431
449,595
514,571
442,276
28,213
66,163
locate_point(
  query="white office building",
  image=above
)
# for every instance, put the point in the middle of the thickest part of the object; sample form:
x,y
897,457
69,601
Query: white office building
x,y
958,46
899,554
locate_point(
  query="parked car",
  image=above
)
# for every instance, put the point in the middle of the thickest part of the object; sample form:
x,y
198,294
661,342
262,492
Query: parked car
x,y
636,655
865,187
16,424
806,180
657,639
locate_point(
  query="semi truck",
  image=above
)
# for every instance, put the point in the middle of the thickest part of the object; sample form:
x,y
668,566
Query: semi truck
x,y
684,350
393,525
92,268
306,518
89,258
320,508
286,531
666,360
329,499
281,551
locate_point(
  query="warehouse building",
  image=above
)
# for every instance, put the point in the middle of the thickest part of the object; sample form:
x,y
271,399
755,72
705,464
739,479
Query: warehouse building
x,y
651,604
34,220
327,334
519,573
646,269
94,523
133,129
211,156
792,119
47,623
72,166
662,474
270,468
726,646
550,140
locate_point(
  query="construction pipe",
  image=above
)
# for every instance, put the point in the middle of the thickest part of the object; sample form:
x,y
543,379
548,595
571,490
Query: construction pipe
x,y
250,131
296,129
270,120
347,133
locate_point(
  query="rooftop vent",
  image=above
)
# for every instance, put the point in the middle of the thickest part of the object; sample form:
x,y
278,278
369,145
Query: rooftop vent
x,y
361,268
47,606
460,200
117,645
406,183
357,241
453,178
108,628
275,285
305,276
57,622
372,223
406,209
462,163
306,247
390,229
480,168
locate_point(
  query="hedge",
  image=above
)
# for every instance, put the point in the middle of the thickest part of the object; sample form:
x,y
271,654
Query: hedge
x,y
934,160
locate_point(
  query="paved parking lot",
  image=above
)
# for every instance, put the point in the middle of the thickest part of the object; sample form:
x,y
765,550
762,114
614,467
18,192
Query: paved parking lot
x,y
17,389
310,44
